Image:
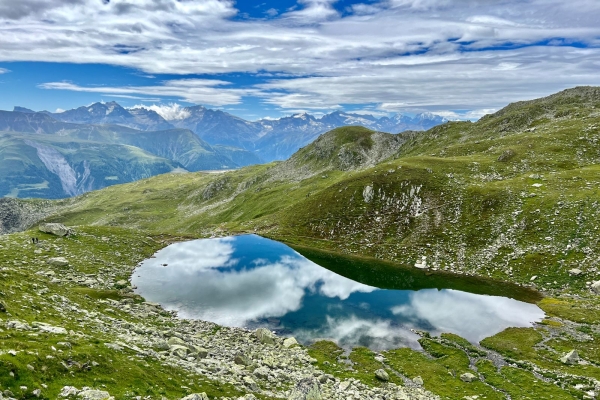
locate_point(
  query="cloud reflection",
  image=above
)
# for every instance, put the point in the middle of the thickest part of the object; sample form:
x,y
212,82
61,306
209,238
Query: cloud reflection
x,y
246,280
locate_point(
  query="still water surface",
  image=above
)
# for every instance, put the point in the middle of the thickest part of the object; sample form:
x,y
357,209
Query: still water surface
x,y
249,281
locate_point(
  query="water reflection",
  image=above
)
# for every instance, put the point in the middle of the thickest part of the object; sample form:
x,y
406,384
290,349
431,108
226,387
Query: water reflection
x,y
251,281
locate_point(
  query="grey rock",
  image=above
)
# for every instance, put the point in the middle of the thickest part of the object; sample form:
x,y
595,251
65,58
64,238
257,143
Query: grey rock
x,y
306,389
55,229
265,336
368,194
382,375
251,384
575,272
468,377
242,359
58,261
596,287
196,396
175,341
94,395
179,351
289,342
261,372
37,392
200,352
570,358
67,391
418,380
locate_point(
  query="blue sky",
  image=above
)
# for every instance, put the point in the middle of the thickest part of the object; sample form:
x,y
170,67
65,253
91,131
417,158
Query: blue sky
x,y
273,58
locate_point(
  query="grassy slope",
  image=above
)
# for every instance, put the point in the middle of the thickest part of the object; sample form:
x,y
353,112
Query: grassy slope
x,y
510,197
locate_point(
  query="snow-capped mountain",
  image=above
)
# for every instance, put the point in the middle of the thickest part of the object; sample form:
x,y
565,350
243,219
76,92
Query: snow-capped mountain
x,y
271,139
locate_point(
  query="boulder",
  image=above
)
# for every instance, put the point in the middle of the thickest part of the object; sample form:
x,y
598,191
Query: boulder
x,y
596,287
575,271
94,395
57,330
58,261
570,358
468,377
418,380
55,229
179,351
265,336
200,352
289,342
306,389
196,396
175,341
382,375
67,391
242,359
261,372
250,384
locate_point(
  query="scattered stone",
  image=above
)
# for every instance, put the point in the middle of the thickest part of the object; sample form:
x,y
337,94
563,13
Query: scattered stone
x,y
289,342
422,264
179,351
18,325
251,384
196,396
175,341
382,375
306,389
242,359
596,287
49,328
418,380
575,272
265,336
261,372
37,392
468,377
55,229
368,194
12,353
94,395
114,346
570,358
533,278
344,385
201,352
67,391
58,261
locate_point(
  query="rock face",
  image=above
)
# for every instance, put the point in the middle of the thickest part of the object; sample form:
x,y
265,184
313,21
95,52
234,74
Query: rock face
x,y
55,229
570,358
17,215
306,389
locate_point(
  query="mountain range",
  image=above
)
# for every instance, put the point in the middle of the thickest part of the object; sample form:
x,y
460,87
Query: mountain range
x,y
54,155
270,139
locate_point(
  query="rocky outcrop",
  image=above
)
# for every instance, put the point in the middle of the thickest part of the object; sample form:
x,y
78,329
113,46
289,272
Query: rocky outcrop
x,y
18,215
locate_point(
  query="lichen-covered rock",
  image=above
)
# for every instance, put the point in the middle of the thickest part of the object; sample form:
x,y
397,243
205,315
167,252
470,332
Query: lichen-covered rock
x,y
67,391
570,358
596,287
468,377
306,389
242,359
55,229
289,342
382,375
265,336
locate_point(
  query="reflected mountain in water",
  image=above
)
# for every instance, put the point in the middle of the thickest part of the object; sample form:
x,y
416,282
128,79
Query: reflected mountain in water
x,y
249,281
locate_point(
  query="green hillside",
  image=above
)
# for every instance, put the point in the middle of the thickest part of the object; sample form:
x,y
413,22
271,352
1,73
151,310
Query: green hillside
x,y
512,198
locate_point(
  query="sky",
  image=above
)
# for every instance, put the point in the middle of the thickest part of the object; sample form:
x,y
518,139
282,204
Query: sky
x,y
461,59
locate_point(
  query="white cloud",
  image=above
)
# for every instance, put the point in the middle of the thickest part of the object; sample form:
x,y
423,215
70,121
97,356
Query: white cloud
x,y
206,91
402,54
170,112
4,71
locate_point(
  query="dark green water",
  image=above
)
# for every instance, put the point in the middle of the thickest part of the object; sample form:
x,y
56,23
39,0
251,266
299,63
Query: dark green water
x,y
249,281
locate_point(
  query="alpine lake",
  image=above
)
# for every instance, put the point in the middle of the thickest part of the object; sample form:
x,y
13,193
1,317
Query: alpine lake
x,y
249,281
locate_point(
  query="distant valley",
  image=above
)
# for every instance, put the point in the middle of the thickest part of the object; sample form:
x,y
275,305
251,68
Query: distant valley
x,y
57,155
